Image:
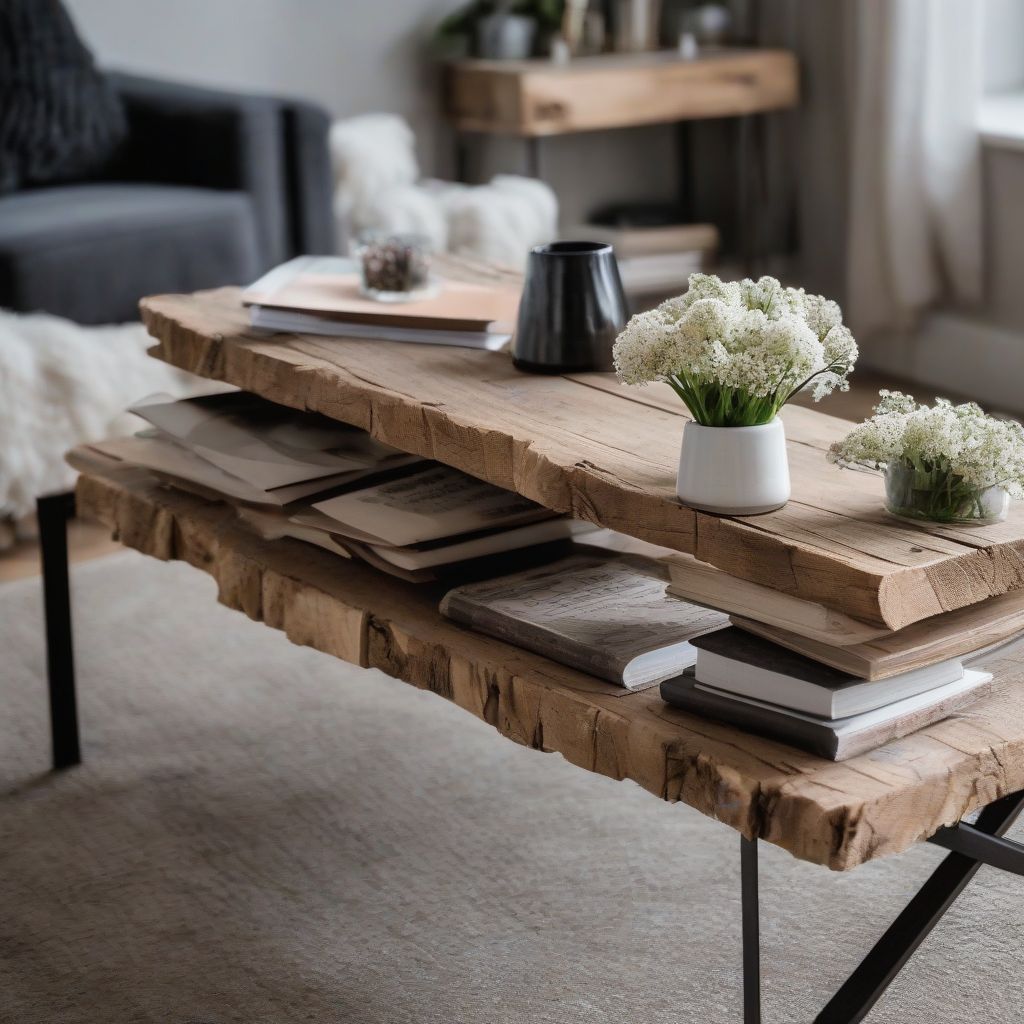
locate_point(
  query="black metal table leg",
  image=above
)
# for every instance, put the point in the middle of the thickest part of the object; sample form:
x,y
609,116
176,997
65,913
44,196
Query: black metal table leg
x,y
533,157
865,986
53,512
751,932
461,168
684,168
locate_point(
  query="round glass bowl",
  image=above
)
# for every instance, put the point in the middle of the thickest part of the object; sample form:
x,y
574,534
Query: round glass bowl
x,y
940,496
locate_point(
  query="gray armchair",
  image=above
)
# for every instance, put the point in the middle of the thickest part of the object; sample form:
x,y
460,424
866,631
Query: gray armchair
x,y
210,188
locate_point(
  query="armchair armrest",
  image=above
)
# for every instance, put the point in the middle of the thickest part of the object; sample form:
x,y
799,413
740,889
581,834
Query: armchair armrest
x,y
188,135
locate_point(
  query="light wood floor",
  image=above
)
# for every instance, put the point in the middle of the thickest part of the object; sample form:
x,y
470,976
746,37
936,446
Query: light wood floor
x,y
87,540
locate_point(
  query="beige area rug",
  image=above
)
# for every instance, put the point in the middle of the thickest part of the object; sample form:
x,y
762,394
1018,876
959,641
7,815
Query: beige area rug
x,y
263,834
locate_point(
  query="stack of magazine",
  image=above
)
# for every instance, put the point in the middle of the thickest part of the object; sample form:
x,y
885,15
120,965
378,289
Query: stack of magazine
x,y
321,295
300,475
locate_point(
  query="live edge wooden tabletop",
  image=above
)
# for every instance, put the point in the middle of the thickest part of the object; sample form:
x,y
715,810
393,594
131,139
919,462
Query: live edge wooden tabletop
x,y
840,815
585,445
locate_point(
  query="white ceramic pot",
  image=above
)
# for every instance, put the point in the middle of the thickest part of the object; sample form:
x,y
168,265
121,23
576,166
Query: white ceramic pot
x,y
735,471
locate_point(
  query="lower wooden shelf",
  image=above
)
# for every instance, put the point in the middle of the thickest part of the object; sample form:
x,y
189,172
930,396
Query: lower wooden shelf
x,y
839,815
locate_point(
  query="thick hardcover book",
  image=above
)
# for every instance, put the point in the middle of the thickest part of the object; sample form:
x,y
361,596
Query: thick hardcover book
x,y
837,740
963,633
697,581
607,615
740,663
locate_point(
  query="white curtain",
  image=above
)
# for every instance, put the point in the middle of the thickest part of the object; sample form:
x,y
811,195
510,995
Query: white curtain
x,y
915,163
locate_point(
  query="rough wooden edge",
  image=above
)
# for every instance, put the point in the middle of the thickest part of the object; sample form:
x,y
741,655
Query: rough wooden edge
x,y
836,815
581,490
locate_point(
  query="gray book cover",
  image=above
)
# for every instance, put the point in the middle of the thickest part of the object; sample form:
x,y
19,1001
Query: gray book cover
x,y
596,613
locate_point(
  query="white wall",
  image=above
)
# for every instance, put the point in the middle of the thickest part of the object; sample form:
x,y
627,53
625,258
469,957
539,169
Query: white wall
x,y
353,56
357,56
1003,44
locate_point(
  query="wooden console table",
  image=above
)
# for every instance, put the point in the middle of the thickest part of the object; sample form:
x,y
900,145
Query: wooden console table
x,y
536,99
582,444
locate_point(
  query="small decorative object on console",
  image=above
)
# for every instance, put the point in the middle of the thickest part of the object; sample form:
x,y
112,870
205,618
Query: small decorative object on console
x,y
736,353
946,463
396,268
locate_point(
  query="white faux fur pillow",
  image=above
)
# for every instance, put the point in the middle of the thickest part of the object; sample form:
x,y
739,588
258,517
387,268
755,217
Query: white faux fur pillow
x,y
62,384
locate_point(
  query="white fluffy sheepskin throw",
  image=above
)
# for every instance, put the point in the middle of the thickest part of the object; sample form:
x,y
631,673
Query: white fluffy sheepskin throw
x,y
60,385
502,221
396,209
377,189
371,154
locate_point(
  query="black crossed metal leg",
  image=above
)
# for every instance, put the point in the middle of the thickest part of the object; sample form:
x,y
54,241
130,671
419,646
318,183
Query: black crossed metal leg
x,y
53,513
971,846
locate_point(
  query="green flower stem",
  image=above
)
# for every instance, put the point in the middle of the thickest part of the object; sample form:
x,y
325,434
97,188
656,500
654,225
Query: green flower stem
x,y
713,405
925,489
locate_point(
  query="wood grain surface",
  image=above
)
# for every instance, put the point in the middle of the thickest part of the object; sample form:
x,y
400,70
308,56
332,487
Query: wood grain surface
x,y
539,97
585,445
955,634
839,815
697,581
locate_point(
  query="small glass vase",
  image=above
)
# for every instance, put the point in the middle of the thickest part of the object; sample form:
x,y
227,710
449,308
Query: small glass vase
x,y
395,268
932,491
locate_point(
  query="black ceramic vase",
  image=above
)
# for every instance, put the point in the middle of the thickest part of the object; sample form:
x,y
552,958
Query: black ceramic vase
x,y
572,309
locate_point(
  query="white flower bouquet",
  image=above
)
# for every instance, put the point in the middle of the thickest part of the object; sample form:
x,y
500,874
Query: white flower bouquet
x,y
737,352
948,463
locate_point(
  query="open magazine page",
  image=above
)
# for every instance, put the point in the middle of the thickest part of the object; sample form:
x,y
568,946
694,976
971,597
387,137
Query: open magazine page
x,y
265,444
430,503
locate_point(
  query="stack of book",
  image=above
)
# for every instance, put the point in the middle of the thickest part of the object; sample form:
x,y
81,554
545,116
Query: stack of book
x,y
762,687
303,476
819,680
655,261
321,295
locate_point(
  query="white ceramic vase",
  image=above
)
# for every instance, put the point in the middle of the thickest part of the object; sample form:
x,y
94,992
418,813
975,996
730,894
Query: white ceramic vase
x,y
735,471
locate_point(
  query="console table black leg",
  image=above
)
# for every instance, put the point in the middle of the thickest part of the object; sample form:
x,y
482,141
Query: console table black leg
x,y
461,161
747,214
533,157
684,168
751,932
852,1003
53,513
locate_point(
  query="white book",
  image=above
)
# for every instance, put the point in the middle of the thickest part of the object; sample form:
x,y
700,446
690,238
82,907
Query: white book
x,y
428,504
851,724
739,663
270,319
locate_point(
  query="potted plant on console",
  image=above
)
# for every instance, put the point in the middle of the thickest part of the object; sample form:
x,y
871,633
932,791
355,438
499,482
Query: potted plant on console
x,y
736,353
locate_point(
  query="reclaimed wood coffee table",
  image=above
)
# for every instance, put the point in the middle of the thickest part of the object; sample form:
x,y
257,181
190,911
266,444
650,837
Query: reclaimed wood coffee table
x,y
582,444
